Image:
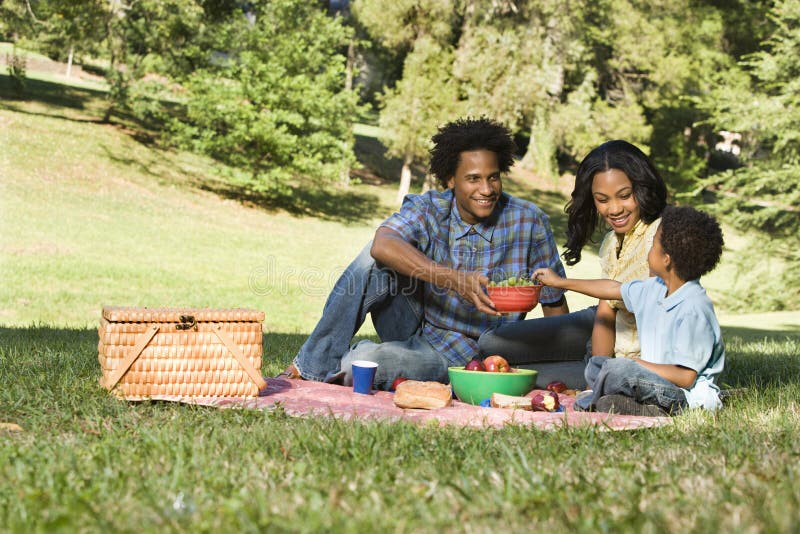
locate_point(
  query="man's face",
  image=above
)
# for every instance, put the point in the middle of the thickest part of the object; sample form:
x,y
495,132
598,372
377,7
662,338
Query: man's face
x,y
477,185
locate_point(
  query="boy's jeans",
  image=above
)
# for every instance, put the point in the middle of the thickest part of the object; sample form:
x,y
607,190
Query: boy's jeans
x,y
609,376
395,303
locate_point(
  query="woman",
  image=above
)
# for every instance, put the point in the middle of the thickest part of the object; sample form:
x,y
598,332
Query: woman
x,y
618,184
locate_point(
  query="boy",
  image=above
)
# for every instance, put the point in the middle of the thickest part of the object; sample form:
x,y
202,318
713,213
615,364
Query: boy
x,y
682,351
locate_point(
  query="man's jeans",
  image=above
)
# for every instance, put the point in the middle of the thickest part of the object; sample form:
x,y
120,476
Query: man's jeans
x,y
610,376
395,303
556,338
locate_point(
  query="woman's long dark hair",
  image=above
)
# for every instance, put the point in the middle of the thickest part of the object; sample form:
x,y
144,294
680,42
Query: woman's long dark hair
x,y
649,191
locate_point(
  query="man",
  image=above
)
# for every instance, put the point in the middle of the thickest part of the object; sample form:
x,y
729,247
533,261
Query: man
x,y
423,279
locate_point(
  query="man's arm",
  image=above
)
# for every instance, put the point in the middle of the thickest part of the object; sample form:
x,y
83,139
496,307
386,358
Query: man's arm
x,y
604,332
391,250
683,377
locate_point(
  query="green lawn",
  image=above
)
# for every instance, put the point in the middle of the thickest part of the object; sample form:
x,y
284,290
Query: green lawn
x,y
93,214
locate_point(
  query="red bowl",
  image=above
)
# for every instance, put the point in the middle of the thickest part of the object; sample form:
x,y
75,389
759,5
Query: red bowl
x,y
514,299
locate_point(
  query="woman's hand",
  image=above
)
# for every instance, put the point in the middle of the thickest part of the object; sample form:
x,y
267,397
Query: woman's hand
x,y
547,277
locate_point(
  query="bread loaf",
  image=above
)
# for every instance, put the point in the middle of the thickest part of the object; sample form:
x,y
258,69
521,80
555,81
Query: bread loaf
x,y
508,401
427,395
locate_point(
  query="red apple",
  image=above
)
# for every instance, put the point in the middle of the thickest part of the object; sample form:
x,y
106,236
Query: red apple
x,y
475,364
546,401
397,381
556,386
496,364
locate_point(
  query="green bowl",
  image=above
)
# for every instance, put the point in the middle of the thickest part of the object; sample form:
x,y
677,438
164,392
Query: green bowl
x,y
476,386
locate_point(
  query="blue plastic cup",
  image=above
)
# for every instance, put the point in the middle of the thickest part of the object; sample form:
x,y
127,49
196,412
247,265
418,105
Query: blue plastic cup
x,y
363,376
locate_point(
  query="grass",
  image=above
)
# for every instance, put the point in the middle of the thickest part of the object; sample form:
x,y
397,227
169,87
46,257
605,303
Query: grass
x,y
88,462
95,214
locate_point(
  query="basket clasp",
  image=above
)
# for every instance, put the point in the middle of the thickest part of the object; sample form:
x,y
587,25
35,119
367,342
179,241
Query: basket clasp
x,y
187,323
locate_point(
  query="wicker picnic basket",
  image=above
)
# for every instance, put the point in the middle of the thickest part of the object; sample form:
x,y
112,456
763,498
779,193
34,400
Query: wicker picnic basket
x,y
180,352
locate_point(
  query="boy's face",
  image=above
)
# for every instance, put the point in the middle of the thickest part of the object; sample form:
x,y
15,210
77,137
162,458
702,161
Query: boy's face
x,y
657,259
476,185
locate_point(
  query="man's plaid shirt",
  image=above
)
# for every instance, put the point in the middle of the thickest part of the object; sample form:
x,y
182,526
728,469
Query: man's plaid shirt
x,y
515,241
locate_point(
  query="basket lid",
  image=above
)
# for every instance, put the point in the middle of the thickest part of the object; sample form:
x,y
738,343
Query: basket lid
x,y
134,314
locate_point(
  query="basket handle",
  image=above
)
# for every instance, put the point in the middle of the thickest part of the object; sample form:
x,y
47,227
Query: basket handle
x,y
254,375
137,349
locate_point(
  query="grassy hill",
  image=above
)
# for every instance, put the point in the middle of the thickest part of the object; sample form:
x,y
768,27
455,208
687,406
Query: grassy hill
x,y
100,214
94,214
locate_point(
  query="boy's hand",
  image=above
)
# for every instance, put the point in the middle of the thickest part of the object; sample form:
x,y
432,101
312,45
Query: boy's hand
x,y
547,277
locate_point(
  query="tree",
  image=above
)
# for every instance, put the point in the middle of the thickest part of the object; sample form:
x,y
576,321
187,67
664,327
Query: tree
x,y
272,98
426,96
424,99
512,62
762,102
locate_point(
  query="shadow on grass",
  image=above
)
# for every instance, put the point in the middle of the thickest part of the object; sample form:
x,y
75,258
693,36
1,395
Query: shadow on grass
x,y
52,93
345,206
89,104
50,336
758,358
27,348
378,167
758,334
41,357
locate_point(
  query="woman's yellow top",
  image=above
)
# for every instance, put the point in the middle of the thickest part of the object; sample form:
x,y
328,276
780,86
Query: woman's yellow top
x,y
623,264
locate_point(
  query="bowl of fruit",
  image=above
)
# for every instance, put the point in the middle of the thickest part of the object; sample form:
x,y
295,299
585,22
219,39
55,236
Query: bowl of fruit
x,y
514,295
476,381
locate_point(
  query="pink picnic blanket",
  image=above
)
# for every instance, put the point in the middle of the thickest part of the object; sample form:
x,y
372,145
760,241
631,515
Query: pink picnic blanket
x,y
307,398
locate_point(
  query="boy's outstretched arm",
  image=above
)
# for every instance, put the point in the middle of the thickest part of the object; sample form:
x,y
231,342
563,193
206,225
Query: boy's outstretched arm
x,y
601,289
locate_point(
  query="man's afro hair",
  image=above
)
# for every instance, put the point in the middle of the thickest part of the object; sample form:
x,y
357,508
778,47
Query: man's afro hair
x,y
469,134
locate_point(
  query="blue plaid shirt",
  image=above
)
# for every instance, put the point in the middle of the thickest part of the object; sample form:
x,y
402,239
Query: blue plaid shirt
x,y
515,241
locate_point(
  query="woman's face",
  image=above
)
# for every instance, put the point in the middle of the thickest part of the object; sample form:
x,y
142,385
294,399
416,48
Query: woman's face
x,y
612,191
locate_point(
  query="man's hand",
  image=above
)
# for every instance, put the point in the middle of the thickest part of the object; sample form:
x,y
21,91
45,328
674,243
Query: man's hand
x,y
391,250
548,277
470,285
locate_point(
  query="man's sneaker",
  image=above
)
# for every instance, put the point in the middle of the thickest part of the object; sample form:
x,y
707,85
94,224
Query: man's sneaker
x,y
336,378
624,405
291,373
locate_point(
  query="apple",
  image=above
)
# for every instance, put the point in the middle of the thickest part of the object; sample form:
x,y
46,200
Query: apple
x,y
556,386
397,381
496,364
475,364
547,401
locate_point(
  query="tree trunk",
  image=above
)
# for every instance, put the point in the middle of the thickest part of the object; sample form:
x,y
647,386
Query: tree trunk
x,y
69,60
405,178
429,183
344,177
350,66
541,155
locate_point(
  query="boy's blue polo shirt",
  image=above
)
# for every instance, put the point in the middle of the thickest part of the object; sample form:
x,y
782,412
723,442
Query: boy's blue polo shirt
x,y
515,241
681,329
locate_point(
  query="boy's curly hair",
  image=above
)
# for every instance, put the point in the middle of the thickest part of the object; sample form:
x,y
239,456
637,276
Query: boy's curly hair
x,y
463,135
692,239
